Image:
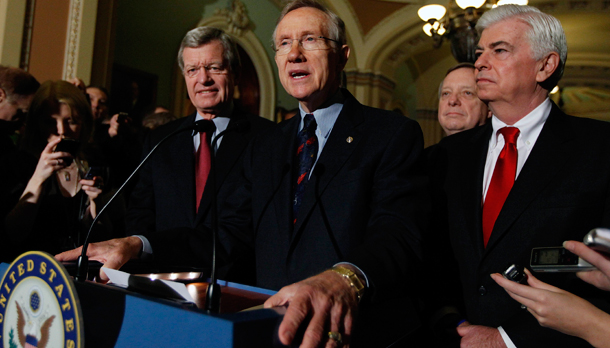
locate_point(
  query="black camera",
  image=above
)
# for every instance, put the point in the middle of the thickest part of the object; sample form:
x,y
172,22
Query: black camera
x,y
516,273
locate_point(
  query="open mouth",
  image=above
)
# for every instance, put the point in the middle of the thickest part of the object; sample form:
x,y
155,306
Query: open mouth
x,y
298,74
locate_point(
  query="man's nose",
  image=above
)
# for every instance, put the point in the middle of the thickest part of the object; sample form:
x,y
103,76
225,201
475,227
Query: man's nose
x,y
481,62
453,99
203,76
296,51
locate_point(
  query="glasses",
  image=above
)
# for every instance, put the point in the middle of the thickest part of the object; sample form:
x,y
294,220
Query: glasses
x,y
309,43
213,69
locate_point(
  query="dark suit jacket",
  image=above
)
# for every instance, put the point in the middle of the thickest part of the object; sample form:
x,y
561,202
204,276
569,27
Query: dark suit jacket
x,y
366,187
162,205
560,194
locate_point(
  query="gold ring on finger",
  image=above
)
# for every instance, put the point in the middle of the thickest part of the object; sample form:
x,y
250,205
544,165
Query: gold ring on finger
x,y
335,336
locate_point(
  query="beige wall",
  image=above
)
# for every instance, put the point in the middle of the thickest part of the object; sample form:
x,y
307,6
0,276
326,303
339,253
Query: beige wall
x,y
49,39
12,14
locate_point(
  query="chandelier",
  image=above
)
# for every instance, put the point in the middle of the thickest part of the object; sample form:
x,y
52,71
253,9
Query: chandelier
x,y
457,24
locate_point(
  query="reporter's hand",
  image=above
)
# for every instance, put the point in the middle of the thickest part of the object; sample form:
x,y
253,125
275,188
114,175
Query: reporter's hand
x,y
600,277
80,84
116,124
480,336
556,308
49,162
326,300
93,188
112,253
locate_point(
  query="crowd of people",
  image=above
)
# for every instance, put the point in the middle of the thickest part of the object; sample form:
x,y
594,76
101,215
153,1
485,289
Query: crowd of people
x,y
370,239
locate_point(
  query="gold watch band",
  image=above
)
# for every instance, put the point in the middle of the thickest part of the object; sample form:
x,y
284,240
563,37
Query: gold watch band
x,y
352,279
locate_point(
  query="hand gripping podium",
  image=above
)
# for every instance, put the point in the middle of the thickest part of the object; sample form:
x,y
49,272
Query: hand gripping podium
x,y
37,296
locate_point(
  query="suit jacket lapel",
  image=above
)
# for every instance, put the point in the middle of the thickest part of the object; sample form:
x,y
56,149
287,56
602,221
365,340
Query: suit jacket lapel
x,y
541,165
333,157
283,160
470,184
182,166
231,147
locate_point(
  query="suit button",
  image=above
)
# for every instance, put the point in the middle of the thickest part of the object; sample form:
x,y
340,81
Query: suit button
x,y
482,290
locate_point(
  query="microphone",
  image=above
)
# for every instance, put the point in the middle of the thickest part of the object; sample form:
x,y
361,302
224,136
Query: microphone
x,y
82,263
213,293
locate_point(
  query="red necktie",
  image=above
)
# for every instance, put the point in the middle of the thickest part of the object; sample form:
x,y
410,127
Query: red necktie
x,y
501,182
202,167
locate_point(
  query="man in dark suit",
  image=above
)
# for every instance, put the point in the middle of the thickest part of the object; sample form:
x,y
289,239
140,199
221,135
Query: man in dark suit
x,y
324,186
532,177
168,196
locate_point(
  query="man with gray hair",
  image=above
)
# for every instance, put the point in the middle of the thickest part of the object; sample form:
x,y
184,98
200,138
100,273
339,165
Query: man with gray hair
x,y
532,177
172,193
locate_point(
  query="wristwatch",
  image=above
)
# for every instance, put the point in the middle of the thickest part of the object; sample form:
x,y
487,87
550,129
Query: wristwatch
x,y
352,279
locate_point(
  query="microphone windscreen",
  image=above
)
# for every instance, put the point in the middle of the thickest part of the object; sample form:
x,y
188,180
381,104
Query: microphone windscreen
x,y
202,126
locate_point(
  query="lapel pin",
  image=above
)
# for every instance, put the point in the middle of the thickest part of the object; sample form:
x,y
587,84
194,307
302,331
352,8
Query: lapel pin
x,y
349,140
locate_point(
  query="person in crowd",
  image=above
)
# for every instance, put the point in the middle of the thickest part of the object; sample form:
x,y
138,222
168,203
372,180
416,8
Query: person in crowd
x,y
169,204
336,182
117,139
55,203
154,120
561,310
98,97
115,125
459,107
17,88
531,177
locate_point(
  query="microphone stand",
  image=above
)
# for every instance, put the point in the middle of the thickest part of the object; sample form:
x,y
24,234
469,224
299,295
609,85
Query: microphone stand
x,y
214,292
82,264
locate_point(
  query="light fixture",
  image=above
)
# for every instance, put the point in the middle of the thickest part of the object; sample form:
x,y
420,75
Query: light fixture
x,y
429,12
456,22
464,4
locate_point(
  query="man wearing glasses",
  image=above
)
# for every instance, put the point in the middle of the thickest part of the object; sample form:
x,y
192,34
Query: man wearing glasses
x,y
334,184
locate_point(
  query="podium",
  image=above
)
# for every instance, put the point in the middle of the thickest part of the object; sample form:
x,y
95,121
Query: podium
x,y
116,317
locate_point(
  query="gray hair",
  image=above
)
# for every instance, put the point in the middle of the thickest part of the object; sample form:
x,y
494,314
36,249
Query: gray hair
x,y
546,34
336,26
203,35
452,69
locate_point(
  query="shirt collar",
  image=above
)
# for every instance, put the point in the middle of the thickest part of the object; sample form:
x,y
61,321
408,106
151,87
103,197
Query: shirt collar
x,y
326,116
529,126
221,122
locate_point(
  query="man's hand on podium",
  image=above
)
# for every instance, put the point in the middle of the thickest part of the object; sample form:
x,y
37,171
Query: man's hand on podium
x,y
112,253
327,301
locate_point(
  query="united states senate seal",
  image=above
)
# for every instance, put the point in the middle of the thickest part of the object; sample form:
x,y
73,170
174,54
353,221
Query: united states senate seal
x,y
39,306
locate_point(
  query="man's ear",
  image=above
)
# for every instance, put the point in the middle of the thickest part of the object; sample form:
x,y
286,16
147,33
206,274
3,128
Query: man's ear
x,y
548,65
344,56
3,96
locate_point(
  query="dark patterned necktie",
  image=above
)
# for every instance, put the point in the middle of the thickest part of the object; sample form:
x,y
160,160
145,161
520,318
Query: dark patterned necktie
x,y
502,181
307,151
